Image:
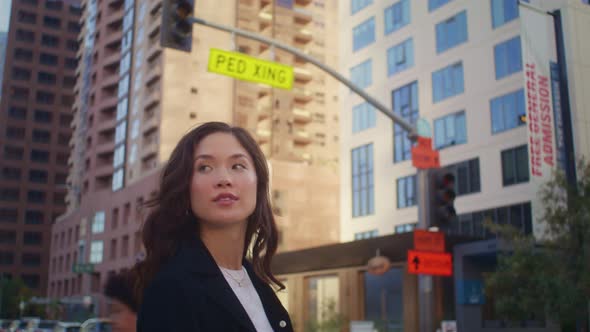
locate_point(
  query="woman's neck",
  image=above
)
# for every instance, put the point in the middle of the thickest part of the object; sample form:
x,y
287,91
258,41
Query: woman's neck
x,y
226,245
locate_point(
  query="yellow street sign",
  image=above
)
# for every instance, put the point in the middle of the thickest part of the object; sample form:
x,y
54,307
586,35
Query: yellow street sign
x,y
251,69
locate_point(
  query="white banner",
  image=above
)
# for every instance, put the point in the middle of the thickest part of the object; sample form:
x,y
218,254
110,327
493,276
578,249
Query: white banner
x,y
538,50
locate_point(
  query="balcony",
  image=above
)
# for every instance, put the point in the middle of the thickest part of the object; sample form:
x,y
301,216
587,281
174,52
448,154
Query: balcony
x,y
263,135
302,95
301,137
301,116
303,36
263,90
265,19
302,74
302,14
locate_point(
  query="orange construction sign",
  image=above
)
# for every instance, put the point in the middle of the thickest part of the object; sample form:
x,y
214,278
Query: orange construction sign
x,y
423,157
429,241
429,263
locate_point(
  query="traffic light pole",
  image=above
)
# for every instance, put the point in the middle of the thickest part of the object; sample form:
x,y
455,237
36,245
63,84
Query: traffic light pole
x,y
426,307
425,284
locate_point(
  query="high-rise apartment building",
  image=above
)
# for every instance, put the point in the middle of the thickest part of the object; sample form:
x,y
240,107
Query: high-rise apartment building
x,y
458,65
35,117
134,100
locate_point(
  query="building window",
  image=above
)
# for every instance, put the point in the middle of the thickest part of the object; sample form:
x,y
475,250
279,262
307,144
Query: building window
x,y
125,246
400,57
96,250
72,45
21,74
503,11
6,258
507,111
31,280
471,224
405,104
366,235
406,192
98,222
15,133
36,196
451,32
39,156
25,36
34,217
447,82
48,59
46,78
361,74
18,113
60,178
45,97
9,173
30,259
50,41
27,17
363,34
435,4
53,5
13,153
74,27
21,54
9,194
357,5
42,116
20,94
507,57
8,215
363,117
362,181
41,136
450,130
32,238
467,178
65,120
38,176
404,228
321,292
397,16
7,237
515,165
71,63
113,249
51,22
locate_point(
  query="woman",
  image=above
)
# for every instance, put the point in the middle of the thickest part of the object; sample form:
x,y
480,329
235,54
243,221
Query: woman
x,y
212,211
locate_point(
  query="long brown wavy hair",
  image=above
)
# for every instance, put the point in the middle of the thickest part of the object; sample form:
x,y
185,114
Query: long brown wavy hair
x,y
168,224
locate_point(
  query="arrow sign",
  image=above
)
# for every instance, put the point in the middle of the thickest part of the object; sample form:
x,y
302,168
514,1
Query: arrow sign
x,y
430,263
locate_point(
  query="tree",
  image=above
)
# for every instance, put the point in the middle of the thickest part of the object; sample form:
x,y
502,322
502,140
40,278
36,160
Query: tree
x,y
549,276
13,292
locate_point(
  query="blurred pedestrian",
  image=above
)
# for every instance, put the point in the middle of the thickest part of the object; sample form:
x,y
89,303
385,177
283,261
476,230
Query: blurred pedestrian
x,y
119,288
210,238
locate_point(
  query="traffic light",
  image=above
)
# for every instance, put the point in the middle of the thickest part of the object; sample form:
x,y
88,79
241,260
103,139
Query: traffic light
x,y
442,197
176,29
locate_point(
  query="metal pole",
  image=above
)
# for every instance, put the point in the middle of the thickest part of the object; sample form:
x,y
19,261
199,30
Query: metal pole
x,y
425,288
412,133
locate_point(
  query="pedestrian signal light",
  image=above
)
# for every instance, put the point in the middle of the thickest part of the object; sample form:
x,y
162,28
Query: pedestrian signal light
x,y
177,29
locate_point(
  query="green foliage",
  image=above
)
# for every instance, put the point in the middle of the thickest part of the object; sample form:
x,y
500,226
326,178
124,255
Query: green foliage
x,y
13,291
332,322
549,275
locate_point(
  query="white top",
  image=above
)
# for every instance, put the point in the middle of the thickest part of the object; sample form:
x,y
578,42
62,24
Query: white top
x,y
242,286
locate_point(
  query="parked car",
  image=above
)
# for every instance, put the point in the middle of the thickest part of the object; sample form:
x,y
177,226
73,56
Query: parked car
x,y
67,327
20,325
97,325
5,324
41,325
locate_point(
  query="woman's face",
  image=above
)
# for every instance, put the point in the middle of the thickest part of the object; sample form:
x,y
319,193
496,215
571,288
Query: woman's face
x,y
123,318
223,185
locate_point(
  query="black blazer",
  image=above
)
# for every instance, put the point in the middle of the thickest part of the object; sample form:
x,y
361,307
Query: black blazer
x,y
190,294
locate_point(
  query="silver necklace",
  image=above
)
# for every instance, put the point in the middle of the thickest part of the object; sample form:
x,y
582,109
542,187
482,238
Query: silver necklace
x,y
239,281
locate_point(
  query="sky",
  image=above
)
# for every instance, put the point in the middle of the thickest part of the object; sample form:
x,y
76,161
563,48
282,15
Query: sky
x,y
4,14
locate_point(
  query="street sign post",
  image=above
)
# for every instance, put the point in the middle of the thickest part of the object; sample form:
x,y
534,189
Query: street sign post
x,y
430,263
83,268
429,241
247,68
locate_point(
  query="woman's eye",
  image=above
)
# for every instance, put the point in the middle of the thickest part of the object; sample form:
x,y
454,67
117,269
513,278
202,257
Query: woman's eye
x,y
239,166
203,168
